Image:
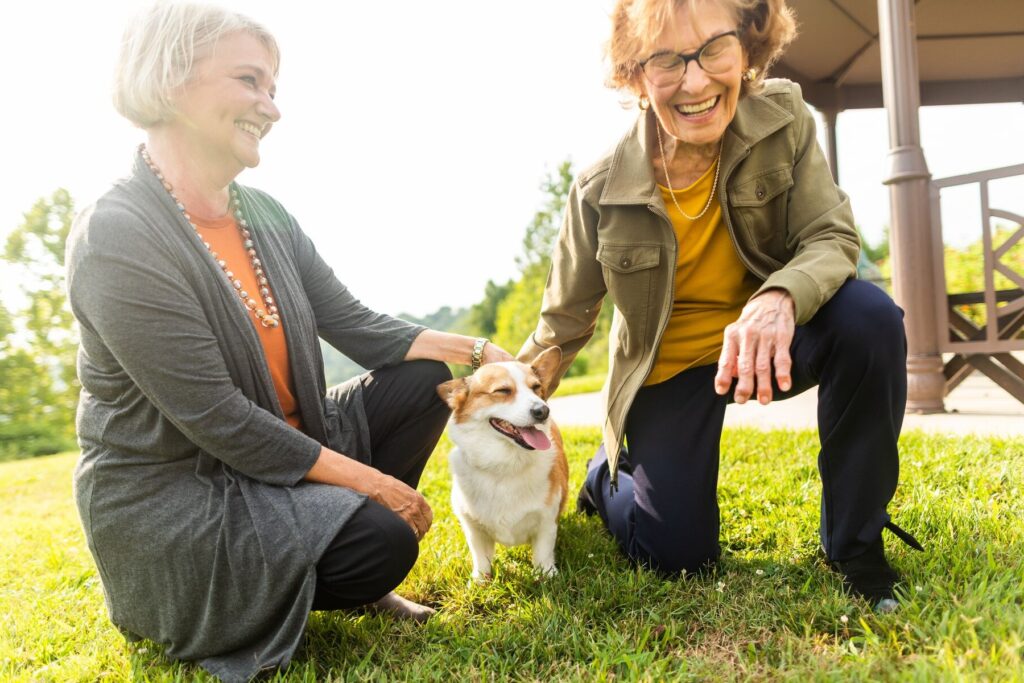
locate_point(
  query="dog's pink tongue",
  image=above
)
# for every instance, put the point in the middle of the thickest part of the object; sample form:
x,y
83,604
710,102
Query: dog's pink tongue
x,y
535,438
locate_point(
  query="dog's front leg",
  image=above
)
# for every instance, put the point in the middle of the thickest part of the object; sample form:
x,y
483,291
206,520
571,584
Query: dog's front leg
x,y
481,547
544,548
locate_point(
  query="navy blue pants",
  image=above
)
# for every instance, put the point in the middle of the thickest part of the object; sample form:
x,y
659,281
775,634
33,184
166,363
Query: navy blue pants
x,y
664,514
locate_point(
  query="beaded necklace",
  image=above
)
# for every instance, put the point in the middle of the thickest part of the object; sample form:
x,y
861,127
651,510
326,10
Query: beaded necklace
x,y
268,314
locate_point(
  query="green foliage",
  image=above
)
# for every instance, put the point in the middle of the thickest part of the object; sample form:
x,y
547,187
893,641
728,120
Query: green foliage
x,y
543,229
444,318
581,384
965,269
482,318
875,252
772,611
337,366
38,344
517,313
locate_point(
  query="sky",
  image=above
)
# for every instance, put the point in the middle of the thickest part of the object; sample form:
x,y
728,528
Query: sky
x,y
414,136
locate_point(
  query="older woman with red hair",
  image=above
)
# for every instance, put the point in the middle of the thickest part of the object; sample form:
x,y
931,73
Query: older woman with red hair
x,y
717,232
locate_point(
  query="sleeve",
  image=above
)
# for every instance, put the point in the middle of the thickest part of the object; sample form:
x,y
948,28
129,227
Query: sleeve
x,y
574,290
369,338
132,294
820,229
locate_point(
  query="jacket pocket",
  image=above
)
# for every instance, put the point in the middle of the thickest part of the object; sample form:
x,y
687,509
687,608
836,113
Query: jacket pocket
x,y
628,258
629,271
760,206
762,188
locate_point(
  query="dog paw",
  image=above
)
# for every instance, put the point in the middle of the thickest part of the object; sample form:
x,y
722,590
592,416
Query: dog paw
x,y
480,579
546,571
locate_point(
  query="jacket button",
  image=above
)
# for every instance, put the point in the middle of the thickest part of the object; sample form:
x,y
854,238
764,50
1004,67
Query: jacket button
x,y
625,262
759,192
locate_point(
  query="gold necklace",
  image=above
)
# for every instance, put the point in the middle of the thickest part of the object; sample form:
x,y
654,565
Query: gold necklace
x,y
664,165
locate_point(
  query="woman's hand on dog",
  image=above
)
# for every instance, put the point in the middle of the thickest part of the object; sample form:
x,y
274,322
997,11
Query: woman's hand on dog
x,y
404,501
495,354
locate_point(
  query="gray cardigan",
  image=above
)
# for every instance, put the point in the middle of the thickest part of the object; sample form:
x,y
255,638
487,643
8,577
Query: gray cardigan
x,y
190,484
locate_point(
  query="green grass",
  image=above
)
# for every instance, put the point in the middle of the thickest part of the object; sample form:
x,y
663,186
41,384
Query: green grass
x,y
584,384
773,610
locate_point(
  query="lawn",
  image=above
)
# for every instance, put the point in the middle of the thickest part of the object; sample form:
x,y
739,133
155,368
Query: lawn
x,y
772,611
583,384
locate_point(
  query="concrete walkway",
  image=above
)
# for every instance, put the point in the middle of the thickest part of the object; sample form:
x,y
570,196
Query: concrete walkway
x,y
976,406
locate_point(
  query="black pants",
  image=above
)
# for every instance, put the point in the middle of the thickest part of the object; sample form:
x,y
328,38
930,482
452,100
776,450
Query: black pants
x,y
375,549
664,514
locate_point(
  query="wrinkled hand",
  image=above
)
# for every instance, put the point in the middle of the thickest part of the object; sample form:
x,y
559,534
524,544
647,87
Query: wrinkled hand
x,y
495,354
404,501
756,342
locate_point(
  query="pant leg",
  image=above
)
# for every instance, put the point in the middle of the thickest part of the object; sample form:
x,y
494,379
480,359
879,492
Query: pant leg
x,y
664,514
376,548
368,558
406,417
855,350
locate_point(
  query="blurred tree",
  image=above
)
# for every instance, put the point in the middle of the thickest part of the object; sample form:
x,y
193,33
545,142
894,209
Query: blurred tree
x,y
517,313
38,343
482,318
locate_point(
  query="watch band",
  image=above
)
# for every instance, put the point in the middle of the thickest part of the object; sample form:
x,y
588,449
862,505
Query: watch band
x,y
478,353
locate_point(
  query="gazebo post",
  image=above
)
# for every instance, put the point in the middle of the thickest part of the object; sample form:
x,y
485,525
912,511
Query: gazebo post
x,y
908,179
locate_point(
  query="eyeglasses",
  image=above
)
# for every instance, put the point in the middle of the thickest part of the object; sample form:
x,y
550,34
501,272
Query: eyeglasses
x,y
716,56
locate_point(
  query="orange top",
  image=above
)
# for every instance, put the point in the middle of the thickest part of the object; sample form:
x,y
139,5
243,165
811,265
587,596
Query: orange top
x,y
225,239
712,285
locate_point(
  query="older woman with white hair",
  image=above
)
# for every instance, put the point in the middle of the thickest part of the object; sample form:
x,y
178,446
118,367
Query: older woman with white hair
x,y
224,490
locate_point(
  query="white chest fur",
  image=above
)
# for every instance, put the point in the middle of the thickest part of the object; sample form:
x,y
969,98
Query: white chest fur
x,y
511,500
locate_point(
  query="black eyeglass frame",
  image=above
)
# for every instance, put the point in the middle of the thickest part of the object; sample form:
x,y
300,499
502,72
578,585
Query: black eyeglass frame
x,y
690,56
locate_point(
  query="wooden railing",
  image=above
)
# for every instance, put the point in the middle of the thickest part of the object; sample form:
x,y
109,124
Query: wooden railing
x,y
988,346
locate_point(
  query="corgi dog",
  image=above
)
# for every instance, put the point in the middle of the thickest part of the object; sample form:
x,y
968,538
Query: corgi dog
x,y
509,472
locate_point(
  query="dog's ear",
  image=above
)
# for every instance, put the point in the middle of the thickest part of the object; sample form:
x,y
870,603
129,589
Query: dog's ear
x,y
454,392
546,365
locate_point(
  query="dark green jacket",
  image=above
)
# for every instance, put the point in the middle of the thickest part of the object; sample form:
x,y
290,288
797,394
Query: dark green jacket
x,y
791,225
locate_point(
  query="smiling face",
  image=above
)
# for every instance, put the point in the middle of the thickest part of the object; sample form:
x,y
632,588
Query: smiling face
x,y
227,106
506,398
697,110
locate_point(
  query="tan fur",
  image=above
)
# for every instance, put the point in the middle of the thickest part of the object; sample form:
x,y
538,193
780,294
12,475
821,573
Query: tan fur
x,y
559,476
504,491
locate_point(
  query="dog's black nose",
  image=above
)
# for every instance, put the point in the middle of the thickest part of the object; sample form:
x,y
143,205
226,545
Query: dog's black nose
x,y
540,413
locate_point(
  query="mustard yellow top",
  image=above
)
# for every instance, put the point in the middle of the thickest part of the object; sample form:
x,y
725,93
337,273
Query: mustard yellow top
x,y
712,285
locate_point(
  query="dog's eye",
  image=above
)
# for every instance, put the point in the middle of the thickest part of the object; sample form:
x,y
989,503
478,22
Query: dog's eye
x,y
502,390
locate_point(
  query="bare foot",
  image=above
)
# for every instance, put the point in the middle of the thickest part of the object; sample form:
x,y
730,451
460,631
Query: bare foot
x,y
397,606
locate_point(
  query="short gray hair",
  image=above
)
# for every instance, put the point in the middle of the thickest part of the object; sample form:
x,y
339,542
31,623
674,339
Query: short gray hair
x,y
160,49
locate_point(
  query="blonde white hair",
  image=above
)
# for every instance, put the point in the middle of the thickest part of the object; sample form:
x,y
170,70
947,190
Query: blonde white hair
x,y
160,49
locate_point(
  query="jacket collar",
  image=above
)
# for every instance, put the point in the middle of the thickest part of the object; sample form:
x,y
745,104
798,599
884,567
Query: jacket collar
x,y
631,176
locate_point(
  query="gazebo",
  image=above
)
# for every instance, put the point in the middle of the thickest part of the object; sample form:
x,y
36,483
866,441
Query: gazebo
x,y
902,54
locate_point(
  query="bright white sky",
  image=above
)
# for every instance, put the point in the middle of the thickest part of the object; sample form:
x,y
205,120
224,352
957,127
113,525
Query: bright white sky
x,y
414,134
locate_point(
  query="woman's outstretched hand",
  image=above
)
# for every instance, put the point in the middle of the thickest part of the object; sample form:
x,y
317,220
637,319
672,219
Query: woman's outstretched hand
x,y
755,344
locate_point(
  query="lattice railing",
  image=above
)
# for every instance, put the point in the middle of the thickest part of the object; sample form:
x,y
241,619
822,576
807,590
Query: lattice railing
x,y
983,341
